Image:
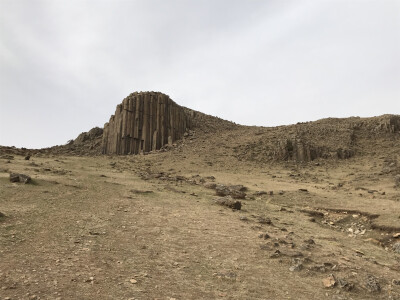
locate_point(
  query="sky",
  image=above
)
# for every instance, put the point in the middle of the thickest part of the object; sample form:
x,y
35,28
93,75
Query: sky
x,y
65,65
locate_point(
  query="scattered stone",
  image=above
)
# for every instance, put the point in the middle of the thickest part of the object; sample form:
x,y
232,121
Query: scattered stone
x,y
397,180
133,281
210,185
318,268
281,192
372,284
313,213
329,281
141,192
276,254
309,242
238,187
264,236
229,203
263,220
267,246
359,252
8,157
297,265
343,284
303,190
15,177
237,194
222,190
235,191
90,279
294,253
396,247
28,157
396,235
260,193
395,282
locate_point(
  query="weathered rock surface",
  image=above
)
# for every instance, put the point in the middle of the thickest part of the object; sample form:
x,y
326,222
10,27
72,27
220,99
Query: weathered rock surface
x,y
92,134
397,180
330,138
372,284
396,247
235,191
144,122
229,203
15,177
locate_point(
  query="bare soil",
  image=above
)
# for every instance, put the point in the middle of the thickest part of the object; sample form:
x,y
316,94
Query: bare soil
x,y
149,226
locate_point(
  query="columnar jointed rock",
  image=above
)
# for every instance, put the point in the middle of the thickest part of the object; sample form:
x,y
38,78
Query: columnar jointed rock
x,y
144,122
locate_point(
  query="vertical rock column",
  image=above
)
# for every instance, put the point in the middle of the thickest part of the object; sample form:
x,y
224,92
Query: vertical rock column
x,y
144,122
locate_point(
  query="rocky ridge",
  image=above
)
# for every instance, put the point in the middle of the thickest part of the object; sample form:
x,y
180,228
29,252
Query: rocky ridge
x,y
150,121
331,138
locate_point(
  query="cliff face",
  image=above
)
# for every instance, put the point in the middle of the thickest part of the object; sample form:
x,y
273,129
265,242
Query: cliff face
x,y
144,122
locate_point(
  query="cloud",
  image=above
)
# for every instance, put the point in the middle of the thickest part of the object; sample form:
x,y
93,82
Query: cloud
x,y
64,66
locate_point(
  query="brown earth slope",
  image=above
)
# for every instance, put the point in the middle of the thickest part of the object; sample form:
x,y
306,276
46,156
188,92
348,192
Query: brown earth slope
x,y
319,217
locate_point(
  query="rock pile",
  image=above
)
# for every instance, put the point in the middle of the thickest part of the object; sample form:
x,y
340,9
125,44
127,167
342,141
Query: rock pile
x,y
93,134
144,122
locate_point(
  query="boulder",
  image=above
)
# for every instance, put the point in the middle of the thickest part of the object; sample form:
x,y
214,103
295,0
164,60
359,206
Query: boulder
x,y
229,203
15,177
397,180
396,247
235,191
222,190
210,185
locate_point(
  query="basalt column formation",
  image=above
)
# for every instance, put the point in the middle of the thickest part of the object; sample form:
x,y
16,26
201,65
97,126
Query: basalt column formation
x,y
144,122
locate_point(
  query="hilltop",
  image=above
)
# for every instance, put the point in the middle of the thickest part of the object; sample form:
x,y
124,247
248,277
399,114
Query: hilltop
x,y
222,211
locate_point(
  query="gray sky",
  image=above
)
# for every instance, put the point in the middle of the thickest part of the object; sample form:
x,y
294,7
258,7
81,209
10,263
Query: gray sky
x,y
65,65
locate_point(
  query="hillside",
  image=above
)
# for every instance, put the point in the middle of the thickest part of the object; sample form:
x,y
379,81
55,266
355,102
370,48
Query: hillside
x,y
304,211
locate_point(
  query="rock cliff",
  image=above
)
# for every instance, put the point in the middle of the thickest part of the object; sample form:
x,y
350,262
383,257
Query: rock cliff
x,y
144,122
327,138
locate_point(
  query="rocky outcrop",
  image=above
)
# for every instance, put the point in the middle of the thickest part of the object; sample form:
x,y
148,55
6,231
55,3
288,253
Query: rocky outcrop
x,y
144,122
93,134
296,149
331,138
15,177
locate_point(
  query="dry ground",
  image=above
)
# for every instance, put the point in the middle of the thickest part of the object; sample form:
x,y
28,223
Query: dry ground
x,y
146,227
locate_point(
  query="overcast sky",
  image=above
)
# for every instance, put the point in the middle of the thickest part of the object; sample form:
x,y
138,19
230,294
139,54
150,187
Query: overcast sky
x,y
65,65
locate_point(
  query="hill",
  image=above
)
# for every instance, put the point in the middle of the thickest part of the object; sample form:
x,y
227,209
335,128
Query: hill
x,y
304,211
